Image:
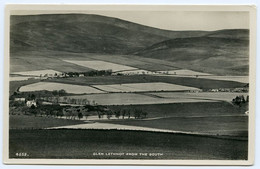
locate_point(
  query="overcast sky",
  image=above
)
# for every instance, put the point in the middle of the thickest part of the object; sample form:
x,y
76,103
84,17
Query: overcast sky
x,y
178,20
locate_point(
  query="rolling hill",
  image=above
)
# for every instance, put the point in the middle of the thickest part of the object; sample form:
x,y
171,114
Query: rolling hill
x,y
217,55
223,52
85,33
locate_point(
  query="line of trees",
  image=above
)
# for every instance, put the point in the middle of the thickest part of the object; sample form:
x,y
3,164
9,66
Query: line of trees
x,y
89,73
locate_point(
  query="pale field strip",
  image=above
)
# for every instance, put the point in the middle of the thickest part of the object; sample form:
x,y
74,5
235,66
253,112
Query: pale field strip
x,y
143,87
241,79
76,89
218,96
185,72
109,126
133,99
37,72
137,72
101,65
19,78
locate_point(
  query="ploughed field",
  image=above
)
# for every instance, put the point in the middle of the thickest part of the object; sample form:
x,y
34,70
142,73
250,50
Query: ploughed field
x,y
115,144
77,89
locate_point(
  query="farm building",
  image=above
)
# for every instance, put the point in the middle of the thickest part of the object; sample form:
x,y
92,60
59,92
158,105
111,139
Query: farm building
x,y
29,103
19,99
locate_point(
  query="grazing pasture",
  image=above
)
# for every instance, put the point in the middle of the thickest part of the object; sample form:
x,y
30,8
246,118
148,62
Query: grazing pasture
x,y
220,96
81,144
131,99
37,122
15,85
215,125
241,79
143,87
101,65
19,78
76,89
196,109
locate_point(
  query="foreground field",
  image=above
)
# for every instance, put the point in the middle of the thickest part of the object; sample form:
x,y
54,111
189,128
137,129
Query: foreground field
x,y
31,122
82,144
230,126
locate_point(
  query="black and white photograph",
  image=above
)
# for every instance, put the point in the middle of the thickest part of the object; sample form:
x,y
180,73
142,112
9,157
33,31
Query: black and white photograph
x,y
129,84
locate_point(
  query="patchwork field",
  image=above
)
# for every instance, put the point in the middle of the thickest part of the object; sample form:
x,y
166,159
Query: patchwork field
x,y
133,99
42,60
76,89
101,65
129,60
143,87
184,81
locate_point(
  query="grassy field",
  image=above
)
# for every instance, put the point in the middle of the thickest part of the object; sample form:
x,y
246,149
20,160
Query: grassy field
x,y
143,87
236,126
81,144
223,96
15,85
186,109
133,99
29,122
186,81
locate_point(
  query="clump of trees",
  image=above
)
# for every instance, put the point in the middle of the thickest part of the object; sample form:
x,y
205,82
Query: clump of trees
x,y
239,100
39,94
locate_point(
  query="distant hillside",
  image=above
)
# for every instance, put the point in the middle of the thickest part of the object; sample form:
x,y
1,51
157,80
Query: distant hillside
x,y
85,33
217,52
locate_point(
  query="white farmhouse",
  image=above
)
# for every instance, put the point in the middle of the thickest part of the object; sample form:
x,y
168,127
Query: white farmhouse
x,y
19,99
29,103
